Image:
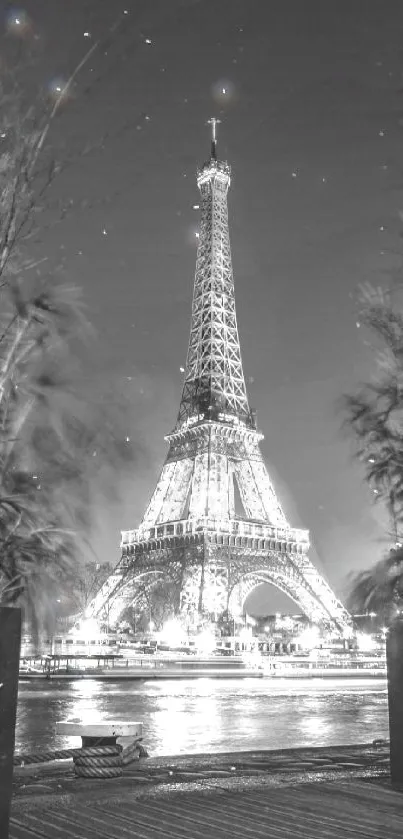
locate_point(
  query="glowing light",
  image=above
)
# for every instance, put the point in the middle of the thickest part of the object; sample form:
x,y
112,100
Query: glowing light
x,y
58,88
206,642
365,642
309,638
223,91
147,41
87,35
172,633
88,628
17,22
245,633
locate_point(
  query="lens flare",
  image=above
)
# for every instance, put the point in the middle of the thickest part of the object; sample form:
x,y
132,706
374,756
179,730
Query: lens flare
x,y
57,89
17,22
223,91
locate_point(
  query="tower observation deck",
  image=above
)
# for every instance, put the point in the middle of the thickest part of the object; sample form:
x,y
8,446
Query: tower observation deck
x,y
214,527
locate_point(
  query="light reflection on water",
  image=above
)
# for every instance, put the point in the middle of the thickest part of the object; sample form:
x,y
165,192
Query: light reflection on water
x,y
204,715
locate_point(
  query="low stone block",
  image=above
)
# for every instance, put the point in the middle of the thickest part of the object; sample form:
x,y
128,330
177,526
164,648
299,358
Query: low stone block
x,y
114,728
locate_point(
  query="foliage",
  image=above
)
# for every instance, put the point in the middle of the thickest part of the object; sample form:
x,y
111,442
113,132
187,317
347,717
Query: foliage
x,y
379,590
89,580
374,416
157,603
53,441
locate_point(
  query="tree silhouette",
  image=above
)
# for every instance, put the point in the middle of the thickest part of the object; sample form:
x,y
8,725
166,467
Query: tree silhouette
x,y
53,440
374,416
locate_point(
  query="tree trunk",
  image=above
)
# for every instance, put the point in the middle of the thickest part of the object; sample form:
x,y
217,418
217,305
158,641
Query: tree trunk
x,y
394,656
10,642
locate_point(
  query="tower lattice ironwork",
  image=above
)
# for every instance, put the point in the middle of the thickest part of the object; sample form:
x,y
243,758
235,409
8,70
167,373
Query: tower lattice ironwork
x,y
214,526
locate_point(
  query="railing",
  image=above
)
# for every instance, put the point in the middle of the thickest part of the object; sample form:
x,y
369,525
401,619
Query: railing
x,y
231,527
333,664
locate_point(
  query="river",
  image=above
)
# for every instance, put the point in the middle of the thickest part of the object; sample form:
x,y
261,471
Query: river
x,y
204,715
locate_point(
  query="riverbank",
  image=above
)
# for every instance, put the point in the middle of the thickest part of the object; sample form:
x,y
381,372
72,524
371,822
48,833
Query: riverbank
x,y
339,791
133,674
142,674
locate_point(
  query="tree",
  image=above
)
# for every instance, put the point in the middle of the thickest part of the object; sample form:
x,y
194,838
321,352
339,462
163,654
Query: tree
x,y
90,579
374,416
53,440
379,590
156,603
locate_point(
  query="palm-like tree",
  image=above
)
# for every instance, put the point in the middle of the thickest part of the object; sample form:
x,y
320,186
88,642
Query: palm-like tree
x,y
48,432
375,418
39,456
379,590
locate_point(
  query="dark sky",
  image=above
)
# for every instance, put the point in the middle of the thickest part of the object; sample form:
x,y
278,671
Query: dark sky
x,y
311,124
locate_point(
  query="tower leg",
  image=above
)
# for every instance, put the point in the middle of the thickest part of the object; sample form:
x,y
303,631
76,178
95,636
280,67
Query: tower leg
x,y
394,656
201,587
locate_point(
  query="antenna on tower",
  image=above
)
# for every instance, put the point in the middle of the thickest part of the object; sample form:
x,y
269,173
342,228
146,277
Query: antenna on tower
x,y
213,122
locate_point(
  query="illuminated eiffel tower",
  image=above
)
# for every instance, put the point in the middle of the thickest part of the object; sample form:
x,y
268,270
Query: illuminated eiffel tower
x,y
214,526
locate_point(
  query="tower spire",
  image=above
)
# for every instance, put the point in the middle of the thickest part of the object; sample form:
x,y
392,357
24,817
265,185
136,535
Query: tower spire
x,y
213,122
214,386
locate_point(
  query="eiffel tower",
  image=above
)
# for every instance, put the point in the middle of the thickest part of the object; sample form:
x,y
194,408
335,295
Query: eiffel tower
x,y
214,526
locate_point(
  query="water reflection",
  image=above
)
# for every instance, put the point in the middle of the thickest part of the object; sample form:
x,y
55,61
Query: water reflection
x,y
182,719
208,715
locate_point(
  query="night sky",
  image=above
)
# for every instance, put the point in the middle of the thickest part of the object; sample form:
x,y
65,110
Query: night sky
x,y
312,127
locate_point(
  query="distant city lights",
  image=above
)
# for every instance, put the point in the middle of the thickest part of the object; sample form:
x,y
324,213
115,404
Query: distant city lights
x,y
365,642
172,633
87,628
309,638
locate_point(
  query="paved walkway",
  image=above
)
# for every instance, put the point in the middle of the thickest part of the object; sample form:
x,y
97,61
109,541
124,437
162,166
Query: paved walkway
x,y
341,793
